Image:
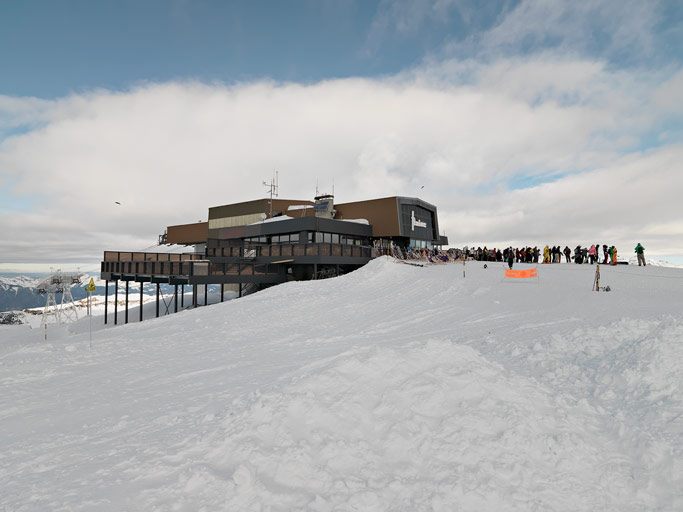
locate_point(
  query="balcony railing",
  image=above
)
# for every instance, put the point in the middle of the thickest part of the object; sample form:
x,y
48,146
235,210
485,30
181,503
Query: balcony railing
x,y
159,268
151,256
191,264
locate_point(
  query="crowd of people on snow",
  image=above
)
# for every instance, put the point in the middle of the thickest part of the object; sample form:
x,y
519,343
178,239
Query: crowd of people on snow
x,y
555,254
579,255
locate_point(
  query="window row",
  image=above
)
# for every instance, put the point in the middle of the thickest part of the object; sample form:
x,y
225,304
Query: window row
x,y
420,244
317,237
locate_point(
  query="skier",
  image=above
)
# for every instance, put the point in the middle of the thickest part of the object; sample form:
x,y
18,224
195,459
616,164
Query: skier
x,y
511,257
640,251
605,252
546,254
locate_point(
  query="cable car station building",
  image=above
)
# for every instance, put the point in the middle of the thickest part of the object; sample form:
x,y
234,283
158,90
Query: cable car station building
x,y
269,241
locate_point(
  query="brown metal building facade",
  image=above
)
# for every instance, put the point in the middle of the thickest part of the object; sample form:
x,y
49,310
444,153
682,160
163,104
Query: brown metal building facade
x,y
187,234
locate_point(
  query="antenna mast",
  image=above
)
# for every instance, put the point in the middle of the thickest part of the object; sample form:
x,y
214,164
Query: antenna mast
x,y
273,189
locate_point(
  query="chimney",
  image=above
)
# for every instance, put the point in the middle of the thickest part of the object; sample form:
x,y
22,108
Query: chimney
x,y
324,206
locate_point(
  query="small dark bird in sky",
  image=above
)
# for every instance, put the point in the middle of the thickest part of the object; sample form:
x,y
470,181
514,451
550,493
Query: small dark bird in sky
x,y
117,203
422,187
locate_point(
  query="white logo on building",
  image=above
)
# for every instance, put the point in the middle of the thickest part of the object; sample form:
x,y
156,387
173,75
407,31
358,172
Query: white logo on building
x,y
414,222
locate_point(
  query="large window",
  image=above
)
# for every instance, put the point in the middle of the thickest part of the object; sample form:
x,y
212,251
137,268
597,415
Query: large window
x,y
256,240
289,238
336,238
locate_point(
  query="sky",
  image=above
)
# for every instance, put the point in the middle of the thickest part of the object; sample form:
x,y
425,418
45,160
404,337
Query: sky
x,y
526,122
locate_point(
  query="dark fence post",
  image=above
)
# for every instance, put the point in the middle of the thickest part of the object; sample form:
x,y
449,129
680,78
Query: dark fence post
x,y
116,302
126,315
106,299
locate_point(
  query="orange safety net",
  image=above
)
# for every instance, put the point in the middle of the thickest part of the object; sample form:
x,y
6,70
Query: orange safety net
x,y
521,274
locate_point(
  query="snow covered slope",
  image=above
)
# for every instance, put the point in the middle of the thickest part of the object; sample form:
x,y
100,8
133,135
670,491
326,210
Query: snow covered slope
x,y
391,388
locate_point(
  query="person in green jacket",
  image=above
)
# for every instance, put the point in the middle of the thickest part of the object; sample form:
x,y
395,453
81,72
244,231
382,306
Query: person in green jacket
x,y
640,251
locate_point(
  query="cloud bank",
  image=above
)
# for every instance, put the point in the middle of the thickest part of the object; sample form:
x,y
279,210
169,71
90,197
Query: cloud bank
x,y
548,147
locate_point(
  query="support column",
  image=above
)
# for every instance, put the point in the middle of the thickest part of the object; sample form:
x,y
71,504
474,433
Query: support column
x,y
106,299
206,294
182,295
315,271
141,301
126,315
116,302
157,300
239,293
222,291
175,298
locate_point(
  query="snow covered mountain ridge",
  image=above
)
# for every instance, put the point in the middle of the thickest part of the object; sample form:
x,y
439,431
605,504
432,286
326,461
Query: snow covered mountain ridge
x,y
17,281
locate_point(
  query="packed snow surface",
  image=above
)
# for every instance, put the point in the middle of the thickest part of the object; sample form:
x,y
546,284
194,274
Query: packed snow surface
x,y
395,387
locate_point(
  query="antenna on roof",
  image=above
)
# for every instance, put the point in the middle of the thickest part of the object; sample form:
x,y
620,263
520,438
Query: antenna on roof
x,y
317,193
273,189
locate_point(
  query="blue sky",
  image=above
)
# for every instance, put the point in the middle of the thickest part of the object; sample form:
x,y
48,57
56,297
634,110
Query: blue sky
x,y
501,109
49,49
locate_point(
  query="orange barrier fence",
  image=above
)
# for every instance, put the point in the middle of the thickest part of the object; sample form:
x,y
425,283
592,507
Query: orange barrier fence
x,y
522,274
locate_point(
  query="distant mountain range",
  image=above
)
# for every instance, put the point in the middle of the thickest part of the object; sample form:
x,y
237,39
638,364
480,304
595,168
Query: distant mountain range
x,y
20,291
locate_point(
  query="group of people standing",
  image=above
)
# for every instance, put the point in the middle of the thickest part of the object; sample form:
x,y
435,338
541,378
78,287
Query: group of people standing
x,y
581,255
521,255
555,254
607,255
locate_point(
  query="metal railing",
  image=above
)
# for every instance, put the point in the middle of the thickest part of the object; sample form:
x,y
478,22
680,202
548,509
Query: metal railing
x,y
150,256
192,264
160,268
